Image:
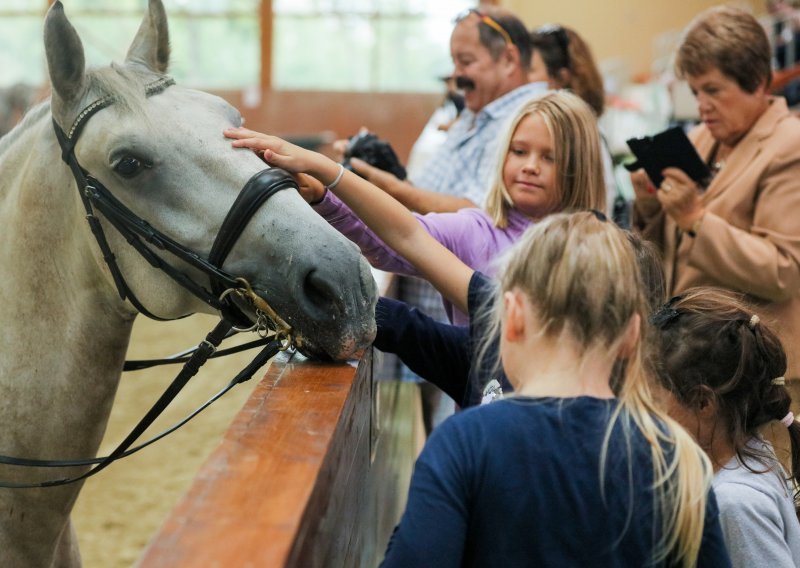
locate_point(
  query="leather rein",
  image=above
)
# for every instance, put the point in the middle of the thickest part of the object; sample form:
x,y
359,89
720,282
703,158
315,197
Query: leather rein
x,y
224,287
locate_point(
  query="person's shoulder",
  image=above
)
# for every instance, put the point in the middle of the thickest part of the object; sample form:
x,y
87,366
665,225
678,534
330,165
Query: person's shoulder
x,y
505,104
480,291
497,413
550,409
743,491
465,431
779,126
475,215
787,136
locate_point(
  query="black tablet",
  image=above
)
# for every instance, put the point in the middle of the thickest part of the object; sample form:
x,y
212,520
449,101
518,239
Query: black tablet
x,y
668,149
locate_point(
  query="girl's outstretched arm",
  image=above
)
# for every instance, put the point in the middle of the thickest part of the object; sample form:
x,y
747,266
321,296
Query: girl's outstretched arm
x,y
387,217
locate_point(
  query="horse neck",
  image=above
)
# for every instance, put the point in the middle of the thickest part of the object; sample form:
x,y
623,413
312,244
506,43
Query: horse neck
x,y
61,318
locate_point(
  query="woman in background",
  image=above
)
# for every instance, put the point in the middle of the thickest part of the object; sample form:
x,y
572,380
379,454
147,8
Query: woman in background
x,y
741,232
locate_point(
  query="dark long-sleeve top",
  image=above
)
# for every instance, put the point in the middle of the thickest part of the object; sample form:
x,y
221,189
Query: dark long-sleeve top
x,y
443,354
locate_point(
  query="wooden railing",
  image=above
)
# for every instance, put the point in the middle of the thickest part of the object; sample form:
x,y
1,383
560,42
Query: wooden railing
x,y
313,472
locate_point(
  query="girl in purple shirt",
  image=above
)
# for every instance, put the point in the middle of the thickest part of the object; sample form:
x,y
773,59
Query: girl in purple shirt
x,y
550,161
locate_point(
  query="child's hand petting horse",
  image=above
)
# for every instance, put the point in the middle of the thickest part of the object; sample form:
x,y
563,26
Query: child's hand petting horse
x,y
282,154
309,188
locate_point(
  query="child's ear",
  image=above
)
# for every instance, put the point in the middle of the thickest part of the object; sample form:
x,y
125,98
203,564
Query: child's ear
x,y
513,316
704,401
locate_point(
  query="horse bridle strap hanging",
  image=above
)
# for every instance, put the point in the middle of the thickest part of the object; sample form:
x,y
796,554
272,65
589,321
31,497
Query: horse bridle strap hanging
x,y
203,352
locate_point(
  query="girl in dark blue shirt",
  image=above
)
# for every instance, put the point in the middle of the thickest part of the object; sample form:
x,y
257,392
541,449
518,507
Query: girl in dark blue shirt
x,y
581,467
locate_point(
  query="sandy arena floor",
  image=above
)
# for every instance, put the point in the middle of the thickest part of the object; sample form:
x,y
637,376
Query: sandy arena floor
x,y
121,508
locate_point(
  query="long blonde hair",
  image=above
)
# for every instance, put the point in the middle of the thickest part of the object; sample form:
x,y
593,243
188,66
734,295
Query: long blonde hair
x,y
581,275
576,144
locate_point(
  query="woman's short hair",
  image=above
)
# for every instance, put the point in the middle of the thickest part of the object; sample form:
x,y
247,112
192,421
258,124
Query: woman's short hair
x,y
562,48
576,144
728,39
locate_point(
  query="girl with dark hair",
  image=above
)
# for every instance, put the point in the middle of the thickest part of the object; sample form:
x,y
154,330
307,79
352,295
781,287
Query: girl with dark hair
x,y
724,370
561,57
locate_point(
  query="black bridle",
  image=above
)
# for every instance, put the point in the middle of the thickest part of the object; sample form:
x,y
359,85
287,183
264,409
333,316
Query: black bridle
x,y
224,287
137,231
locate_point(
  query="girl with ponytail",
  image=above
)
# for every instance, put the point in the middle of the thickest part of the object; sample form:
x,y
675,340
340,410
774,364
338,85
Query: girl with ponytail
x,y
581,467
723,369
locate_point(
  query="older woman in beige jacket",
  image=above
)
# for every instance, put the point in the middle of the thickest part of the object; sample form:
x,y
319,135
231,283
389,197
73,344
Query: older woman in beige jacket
x,y
742,232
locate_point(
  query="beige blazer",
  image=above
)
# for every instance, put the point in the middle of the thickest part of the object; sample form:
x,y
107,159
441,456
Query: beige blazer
x,y
749,240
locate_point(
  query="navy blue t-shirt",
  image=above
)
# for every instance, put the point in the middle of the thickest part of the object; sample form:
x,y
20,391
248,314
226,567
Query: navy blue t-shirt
x,y
517,483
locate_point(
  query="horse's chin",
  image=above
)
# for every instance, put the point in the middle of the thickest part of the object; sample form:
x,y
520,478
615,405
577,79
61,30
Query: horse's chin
x,y
323,343
348,349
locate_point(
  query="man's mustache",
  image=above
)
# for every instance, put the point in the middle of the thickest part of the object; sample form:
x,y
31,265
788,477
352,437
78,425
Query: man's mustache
x,y
465,84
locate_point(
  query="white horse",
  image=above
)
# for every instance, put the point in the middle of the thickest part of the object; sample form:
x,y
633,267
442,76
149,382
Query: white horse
x,y
64,328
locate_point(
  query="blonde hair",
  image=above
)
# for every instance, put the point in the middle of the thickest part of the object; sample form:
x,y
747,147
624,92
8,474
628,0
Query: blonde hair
x,y
581,275
576,143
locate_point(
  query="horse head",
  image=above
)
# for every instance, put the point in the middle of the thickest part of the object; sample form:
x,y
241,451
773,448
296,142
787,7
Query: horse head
x,y
164,158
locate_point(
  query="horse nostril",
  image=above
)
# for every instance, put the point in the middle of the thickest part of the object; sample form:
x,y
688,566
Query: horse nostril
x,y
321,293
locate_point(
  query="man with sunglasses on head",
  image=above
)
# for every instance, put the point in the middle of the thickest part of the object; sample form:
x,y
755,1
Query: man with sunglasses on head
x,y
491,55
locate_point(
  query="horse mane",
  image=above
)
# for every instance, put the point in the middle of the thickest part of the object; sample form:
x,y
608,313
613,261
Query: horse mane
x,y
126,84
32,115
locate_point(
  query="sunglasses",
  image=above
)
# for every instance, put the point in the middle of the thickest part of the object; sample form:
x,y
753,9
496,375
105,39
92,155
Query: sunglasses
x,y
486,19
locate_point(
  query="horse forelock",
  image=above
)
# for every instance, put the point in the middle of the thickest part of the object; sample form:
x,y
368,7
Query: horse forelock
x,y
125,84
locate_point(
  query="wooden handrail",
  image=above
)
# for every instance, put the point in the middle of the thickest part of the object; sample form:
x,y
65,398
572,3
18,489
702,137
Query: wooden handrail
x,y
313,472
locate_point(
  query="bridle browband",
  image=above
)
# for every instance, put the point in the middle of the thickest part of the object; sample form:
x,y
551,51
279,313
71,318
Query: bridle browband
x,y
224,286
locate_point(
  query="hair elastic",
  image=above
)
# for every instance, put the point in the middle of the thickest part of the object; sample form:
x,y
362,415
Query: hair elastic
x,y
335,182
754,319
788,419
780,381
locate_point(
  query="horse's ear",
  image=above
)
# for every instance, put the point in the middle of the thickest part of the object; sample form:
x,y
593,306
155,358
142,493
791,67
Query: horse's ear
x,y
65,59
150,47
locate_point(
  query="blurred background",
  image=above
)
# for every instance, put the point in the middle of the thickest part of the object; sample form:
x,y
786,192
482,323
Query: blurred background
x,y
318,69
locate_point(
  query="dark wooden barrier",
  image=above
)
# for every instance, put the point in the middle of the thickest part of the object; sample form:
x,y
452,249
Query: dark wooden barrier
x,y
313,472
396,117
782,77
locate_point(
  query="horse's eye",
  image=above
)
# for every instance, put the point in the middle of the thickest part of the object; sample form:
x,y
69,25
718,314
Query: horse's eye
x,y
129,166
